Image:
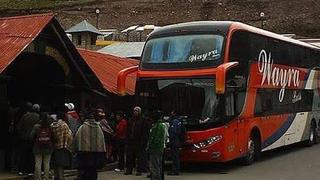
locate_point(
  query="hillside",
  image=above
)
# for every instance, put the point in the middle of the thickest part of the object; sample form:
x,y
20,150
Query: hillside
x,y
301,17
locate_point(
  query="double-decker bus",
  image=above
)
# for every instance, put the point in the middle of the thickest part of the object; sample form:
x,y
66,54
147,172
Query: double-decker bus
x,y
239,90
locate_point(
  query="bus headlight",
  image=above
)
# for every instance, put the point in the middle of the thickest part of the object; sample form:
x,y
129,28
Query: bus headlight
x,y
207,142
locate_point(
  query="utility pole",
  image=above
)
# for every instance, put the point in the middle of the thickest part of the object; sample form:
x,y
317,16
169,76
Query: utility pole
x,y
97,14
262,15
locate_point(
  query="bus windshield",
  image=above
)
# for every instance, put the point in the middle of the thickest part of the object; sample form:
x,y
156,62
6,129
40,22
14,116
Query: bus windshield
x,y
183,49
194,100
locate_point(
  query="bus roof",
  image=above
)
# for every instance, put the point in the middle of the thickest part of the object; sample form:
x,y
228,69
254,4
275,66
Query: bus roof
x,y
242,26
223,27
196,26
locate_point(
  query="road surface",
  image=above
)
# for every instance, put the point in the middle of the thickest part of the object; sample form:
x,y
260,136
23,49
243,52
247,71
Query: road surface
x,y
290,163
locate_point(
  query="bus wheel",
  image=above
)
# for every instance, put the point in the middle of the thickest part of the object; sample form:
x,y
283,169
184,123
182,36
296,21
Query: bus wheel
x,y
313,135
253,150
316,137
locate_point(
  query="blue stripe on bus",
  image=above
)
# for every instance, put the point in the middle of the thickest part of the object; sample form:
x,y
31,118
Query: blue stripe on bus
x,y
279,133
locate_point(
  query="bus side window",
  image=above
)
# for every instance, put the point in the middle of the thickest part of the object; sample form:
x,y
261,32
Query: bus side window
x,y
258,105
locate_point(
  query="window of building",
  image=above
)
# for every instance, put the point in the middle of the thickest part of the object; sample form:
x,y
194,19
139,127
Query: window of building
x,y
93,40
79,40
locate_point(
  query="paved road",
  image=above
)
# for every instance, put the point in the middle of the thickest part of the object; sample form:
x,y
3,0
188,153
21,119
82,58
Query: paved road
x,y
290,163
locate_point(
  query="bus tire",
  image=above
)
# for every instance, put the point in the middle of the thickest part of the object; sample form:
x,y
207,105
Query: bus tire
x,y
254,150
313,135
317,138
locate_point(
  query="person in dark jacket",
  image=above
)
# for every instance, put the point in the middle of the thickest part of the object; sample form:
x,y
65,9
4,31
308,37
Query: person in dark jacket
x,y
24,128
137,138
120,139
175,131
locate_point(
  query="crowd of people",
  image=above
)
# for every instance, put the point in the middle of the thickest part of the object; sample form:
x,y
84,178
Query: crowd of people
x,y
87,142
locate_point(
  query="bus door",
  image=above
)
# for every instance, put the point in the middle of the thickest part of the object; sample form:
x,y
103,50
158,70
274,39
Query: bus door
x,y
242,141
232,128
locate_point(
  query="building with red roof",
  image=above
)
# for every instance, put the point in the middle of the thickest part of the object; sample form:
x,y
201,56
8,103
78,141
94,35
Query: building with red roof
x,y
39,64
106,67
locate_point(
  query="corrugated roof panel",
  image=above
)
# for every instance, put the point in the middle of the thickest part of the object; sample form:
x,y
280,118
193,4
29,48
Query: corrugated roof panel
x,y
106,67
124,49
16,33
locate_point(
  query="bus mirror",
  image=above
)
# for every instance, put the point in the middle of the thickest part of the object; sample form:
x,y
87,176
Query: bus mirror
x,y
221,74
122,76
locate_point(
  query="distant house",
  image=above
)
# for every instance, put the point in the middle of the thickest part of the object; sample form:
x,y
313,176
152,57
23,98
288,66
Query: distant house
x,y
137,33
124,49
109,35
84,34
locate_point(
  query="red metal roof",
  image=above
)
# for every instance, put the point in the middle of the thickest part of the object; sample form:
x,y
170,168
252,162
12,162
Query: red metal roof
x,y
106,67
16,33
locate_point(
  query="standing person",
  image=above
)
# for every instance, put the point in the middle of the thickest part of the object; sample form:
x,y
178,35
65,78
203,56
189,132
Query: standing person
x,y
72,118
120,139
155,146
43,146
137,137
62,156
176,130
24,128
113,123
107,131
112,120
13,157
17,147
90,148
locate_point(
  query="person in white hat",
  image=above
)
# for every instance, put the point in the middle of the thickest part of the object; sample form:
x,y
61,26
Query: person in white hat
x,y
72,118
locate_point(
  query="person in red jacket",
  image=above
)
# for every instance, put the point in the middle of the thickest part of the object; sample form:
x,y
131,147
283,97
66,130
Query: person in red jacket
x,y
120,138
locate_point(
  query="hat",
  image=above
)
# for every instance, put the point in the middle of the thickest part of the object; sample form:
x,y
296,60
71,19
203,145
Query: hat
x,y
36,107
54,117
100,112
28,105
68,106
156,115
138,109
71,106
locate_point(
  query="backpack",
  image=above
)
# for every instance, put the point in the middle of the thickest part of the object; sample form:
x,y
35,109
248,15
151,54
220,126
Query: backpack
x,y
44,137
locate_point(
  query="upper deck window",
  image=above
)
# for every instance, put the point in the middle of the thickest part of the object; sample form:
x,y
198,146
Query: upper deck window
x,y
183,49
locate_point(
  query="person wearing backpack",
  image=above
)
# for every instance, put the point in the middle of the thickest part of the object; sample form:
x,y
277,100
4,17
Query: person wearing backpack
x,y
176,138
43,146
